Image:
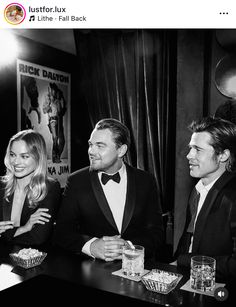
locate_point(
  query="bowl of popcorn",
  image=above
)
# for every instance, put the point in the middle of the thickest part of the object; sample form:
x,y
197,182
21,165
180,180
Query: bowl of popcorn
x,y
28,257
161,281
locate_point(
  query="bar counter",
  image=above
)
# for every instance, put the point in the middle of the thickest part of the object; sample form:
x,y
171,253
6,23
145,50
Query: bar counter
x,y
71,278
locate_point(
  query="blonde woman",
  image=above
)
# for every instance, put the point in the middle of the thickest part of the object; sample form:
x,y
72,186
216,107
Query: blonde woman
x,y
29,198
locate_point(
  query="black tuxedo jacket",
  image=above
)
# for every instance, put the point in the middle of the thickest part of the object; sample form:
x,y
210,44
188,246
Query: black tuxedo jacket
x,y
215,229
40,234
85,213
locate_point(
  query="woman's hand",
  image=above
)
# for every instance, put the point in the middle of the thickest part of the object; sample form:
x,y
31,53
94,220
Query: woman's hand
x,y
39,217
4,225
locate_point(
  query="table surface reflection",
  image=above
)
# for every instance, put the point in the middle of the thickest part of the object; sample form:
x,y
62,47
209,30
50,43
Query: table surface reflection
x,y
65,275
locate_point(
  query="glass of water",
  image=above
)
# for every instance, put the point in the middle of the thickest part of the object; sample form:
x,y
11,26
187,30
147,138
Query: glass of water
x,y
202,276
133,260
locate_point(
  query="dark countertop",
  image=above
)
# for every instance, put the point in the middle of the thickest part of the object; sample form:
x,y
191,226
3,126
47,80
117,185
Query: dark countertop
x,y
64,276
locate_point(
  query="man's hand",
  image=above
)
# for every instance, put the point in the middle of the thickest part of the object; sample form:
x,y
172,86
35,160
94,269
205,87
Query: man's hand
x,y
107,248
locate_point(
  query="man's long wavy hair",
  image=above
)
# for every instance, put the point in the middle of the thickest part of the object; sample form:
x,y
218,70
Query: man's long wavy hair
x,y
36,190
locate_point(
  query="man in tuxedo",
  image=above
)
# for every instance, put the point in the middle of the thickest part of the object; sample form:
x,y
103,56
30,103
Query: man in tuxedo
x,y
110,202
210,225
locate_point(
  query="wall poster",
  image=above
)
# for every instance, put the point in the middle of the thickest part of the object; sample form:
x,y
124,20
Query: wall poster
x,y
43,104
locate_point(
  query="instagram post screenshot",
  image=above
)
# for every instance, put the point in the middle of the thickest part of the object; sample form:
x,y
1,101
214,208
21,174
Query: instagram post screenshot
x,y
118,152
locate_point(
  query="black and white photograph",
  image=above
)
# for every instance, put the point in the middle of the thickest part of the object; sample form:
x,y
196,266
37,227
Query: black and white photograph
x,y
117,163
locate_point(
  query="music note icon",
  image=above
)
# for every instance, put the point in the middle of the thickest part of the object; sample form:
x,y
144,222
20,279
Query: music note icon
x,y
32,18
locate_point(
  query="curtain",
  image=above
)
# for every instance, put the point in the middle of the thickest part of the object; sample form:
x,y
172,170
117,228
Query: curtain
x,y
130,75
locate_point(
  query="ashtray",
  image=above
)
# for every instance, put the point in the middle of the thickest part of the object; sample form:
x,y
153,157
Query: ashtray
x,y
161,281
28,258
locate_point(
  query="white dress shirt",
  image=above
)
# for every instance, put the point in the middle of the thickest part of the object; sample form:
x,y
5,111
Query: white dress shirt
x,y
116,196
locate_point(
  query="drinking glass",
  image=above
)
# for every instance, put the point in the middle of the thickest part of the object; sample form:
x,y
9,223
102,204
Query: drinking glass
x,y
133,260
202,276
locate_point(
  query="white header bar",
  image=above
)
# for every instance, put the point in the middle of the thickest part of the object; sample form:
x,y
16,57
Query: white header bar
x,y
92,14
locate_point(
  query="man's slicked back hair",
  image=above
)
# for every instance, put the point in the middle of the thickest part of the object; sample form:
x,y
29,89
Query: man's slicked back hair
x,y
120,132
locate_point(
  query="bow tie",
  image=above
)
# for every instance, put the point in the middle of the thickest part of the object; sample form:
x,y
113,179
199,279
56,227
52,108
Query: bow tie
x,y
105,177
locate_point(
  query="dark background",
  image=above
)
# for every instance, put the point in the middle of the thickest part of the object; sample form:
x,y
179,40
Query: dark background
x,y
53,58
197,53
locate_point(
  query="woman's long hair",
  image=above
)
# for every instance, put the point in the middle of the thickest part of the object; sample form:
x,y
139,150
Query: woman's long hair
x,y
36,190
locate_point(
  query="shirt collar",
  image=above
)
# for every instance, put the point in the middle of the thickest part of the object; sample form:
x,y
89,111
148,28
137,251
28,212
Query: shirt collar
x,y
200,187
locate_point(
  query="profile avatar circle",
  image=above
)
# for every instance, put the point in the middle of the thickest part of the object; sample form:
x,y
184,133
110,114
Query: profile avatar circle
x,y
14,13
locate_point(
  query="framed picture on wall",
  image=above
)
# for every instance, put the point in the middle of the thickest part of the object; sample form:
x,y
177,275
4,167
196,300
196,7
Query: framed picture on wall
x,y
43,104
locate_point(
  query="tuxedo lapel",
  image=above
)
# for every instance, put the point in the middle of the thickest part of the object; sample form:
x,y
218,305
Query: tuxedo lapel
x,y
207,205
6,209
130,198
26,211
202,217
101,199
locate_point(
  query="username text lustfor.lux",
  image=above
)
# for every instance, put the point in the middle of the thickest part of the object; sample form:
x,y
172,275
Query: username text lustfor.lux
x,y
44,9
